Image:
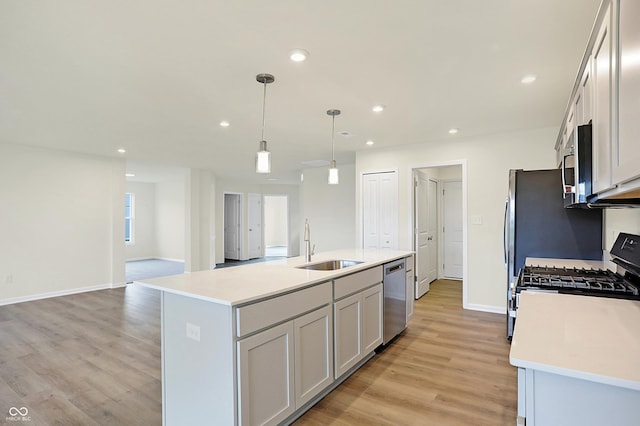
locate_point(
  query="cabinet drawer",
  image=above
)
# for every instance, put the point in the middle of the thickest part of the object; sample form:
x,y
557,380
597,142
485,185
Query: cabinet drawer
x,y
353,283
259,315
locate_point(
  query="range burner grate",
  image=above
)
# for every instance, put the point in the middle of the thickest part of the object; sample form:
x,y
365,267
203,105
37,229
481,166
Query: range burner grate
x,y
593,280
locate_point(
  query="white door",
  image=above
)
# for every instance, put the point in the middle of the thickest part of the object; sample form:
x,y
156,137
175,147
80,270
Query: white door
x,y
426,219
380,210
254,219
452,229
232,220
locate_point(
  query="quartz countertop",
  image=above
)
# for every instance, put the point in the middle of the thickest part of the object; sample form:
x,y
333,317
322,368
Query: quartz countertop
x,y
247,283
589,338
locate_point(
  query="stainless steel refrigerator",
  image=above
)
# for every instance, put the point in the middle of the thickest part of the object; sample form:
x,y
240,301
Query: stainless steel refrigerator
x,y
536,224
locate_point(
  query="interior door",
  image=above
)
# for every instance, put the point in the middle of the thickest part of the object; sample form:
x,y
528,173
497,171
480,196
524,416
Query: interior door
x,y
452,229
232,226
426,232
254,219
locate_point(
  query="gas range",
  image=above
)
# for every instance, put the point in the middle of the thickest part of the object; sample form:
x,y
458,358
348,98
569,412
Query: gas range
x,y
591,282
622,284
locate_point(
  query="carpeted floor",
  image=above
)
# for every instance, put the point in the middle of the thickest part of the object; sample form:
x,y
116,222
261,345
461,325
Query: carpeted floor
x,y
151,268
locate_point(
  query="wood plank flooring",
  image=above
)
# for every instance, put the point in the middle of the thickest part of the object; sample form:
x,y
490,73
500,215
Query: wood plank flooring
x,y
450,367
94,359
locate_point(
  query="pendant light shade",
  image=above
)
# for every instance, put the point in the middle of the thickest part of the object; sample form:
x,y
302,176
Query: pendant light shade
x,y
263,156
334,178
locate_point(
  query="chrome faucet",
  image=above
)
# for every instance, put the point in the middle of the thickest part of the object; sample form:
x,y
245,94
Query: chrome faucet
x,y
308,251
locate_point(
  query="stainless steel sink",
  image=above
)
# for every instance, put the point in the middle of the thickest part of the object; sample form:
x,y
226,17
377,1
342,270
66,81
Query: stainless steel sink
x,y
329,265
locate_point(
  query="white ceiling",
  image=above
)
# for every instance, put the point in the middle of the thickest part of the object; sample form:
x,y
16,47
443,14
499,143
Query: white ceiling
x,y
157,76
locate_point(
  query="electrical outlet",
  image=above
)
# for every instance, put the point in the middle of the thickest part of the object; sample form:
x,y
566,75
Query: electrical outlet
x,y
193,332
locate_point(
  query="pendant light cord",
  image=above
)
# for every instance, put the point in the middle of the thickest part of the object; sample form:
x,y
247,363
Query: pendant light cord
x,y
264,106
333,134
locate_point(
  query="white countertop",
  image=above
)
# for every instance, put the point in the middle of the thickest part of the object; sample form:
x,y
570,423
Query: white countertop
x,y
590,338
241,284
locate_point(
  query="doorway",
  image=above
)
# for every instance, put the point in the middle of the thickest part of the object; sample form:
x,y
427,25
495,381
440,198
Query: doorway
x,y
232,226
438,224
276,225
452,229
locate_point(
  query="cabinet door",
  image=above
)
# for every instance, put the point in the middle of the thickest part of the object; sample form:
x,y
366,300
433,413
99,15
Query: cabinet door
x,y
410,295
265,376
627,152
348,332
313,353
601,71
585,109
372,318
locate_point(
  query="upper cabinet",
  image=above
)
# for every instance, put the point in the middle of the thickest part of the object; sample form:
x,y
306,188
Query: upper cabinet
x,y
601,132
607,93
626,155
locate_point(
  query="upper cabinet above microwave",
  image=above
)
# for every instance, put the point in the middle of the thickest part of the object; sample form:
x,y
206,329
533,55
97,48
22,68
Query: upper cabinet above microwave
x,y
607,93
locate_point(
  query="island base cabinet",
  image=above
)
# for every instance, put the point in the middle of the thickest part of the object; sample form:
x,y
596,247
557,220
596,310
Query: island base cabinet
x,y
554,399
266,372
313,335
358,327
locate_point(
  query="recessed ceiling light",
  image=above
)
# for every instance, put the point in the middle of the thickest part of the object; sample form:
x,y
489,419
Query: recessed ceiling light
x,y
453,131
369,142
130,175
298,55
378,108
345,134
224,123
528,79
272,179
122,150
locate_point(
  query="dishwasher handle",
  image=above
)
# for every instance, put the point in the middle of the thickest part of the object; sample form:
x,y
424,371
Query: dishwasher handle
x,y
392,269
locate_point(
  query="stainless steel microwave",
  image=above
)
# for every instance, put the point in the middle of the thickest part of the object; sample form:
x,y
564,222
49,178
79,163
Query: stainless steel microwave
x,y
577,167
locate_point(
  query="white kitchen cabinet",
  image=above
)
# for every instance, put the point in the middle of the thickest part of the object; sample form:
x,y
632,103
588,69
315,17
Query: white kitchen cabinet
x,y
372,318
313,343
348,333
266,376
410,287
380,210
358,327
584,98
626,152
602,73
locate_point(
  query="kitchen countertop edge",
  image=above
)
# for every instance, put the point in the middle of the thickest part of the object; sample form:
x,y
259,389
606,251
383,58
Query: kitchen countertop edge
x,y
286,268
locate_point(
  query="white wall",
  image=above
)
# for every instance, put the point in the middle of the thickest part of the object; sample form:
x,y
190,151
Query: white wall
x,y
170,220
293,193
330,208
144,222
488,160
620,220
59,232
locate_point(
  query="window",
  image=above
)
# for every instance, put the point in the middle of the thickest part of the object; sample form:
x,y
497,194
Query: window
x,y
128,217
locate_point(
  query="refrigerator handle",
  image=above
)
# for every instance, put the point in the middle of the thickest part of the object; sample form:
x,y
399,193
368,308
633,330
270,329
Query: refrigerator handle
x,y
504,233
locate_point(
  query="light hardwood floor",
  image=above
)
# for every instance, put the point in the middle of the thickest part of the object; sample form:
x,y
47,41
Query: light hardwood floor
x,y
94,358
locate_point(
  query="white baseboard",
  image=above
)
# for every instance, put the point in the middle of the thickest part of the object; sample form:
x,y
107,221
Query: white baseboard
x,y
32,297
135,259
486,308
169,259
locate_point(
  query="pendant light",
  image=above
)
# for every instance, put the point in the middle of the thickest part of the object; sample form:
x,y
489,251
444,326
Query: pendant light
x,y
333,170
263,156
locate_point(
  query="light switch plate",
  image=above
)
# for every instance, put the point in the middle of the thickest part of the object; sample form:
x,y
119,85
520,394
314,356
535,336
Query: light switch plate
x,y
476,220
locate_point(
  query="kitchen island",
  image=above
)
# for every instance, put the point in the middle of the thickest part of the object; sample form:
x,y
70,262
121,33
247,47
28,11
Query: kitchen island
x,y
578,360
261,343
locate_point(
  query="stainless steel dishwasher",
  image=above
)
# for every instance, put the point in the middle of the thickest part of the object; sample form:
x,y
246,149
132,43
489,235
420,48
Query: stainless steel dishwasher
x,y
395,299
